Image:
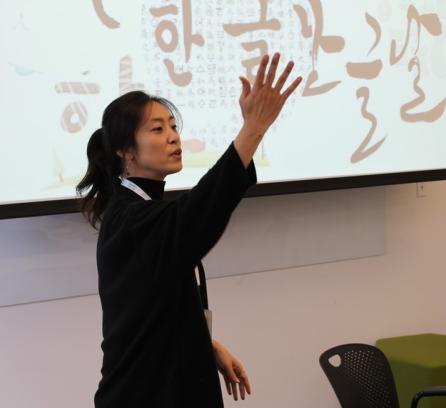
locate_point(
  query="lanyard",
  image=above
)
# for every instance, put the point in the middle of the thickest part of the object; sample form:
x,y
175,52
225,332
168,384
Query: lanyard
x,y
136,189
203,296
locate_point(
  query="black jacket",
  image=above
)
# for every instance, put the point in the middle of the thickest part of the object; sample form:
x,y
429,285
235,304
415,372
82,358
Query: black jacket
x,y
156,344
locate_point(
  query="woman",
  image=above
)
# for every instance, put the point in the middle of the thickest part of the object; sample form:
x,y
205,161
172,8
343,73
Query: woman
x,y
157,348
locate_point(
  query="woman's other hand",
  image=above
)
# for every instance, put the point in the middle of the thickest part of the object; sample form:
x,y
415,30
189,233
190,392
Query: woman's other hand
x,y
232,371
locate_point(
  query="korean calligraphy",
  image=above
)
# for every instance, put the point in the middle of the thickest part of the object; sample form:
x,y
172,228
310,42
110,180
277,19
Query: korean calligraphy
x,y
329,44
427,116
75,115
236,30
367,71
103,16
167,26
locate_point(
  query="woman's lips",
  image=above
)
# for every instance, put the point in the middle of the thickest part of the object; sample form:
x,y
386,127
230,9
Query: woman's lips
x,y
177,154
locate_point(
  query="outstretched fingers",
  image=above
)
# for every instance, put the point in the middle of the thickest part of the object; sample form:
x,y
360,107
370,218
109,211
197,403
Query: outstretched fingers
x,y
272,70
291,88
261,72
285,74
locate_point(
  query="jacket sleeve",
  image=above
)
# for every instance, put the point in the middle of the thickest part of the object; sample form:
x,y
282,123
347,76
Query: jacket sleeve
x,y
191,225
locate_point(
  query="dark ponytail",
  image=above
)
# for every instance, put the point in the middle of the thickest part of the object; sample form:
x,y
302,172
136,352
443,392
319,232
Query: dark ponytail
x,y
120,122
98,177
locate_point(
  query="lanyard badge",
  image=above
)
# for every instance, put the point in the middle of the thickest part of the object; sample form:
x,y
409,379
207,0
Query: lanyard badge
x,y
207,312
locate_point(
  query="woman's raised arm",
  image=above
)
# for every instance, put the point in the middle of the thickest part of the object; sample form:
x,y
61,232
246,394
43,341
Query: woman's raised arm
x,y
194,222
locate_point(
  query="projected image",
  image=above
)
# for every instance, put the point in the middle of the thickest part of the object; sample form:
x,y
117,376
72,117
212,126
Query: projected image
x,y
373,99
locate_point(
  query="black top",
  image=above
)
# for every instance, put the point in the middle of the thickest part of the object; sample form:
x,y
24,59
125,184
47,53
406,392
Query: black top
x,y
157,348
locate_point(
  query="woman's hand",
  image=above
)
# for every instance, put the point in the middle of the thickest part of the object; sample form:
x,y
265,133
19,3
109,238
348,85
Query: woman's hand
x,y
232,371
262,104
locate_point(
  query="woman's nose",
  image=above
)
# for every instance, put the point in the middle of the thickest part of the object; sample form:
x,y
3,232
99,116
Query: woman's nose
x,y
174,136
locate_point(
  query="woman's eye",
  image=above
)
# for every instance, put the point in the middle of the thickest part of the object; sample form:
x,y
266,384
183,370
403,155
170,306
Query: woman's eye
x,y
174,127
157,129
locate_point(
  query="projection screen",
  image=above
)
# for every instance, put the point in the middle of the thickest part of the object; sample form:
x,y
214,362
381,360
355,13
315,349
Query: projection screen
x,y
371,108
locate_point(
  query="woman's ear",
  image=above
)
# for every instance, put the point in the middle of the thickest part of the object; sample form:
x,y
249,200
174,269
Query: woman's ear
x,y
128,155
127,159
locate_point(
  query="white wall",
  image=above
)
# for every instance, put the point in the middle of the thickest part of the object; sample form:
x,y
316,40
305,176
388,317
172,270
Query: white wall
x,y
276,322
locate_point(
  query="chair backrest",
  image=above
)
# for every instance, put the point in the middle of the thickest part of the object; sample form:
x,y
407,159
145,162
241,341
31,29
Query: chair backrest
x,y
360,376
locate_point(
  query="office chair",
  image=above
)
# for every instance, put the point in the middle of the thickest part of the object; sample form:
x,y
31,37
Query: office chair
x,y
362,378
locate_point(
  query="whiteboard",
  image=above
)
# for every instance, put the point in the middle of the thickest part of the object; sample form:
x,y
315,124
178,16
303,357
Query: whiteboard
x,y
52,257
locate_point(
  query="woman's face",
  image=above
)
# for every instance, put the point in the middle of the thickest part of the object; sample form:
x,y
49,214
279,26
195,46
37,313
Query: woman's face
x,y
158,145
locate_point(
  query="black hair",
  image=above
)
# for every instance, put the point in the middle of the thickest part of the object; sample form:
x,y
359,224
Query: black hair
x,y
120,121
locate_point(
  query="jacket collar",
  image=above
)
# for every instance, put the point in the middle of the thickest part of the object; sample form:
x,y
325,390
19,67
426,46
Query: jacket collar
x,y
154,188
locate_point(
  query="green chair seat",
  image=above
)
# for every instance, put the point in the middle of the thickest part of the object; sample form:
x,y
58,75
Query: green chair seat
x,y
417,362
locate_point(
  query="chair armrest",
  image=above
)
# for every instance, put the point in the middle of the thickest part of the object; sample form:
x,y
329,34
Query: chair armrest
x,y
428,392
